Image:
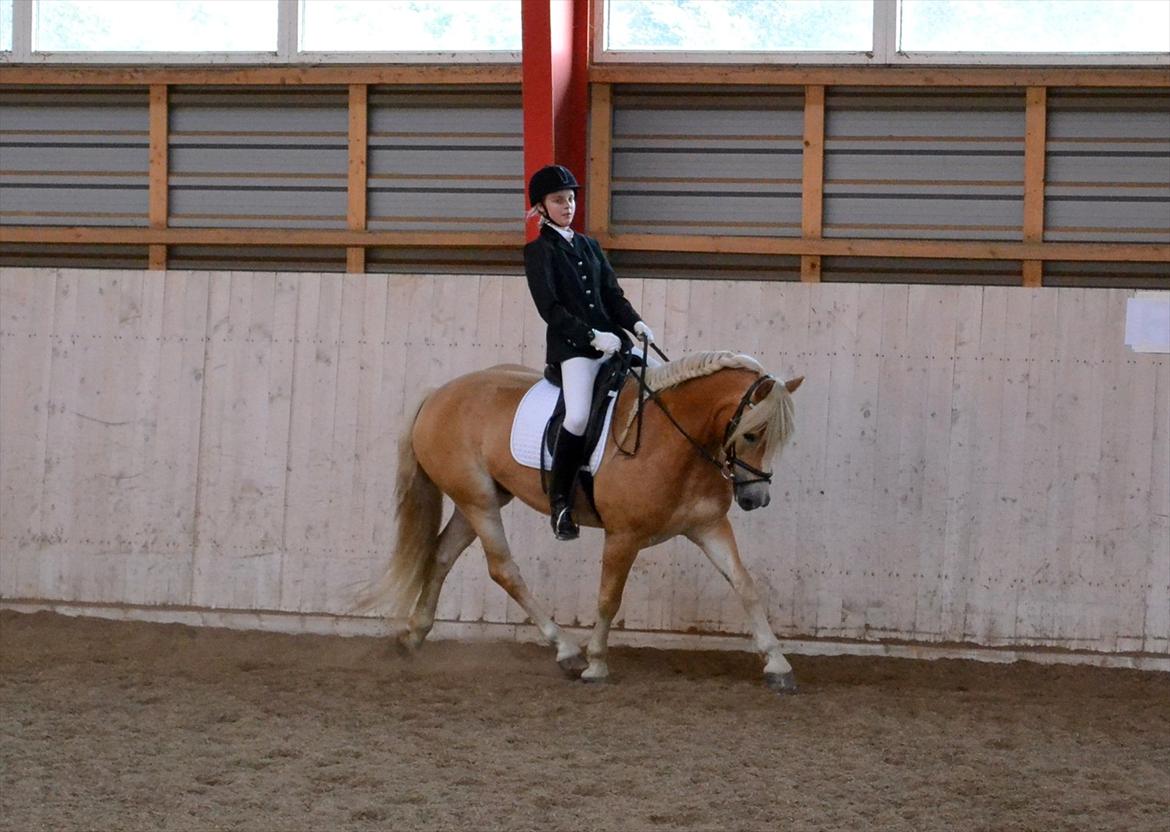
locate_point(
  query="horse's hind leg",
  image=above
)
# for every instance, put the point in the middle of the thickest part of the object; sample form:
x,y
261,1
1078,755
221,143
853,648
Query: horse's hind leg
x,y
456,536
718,543
504,571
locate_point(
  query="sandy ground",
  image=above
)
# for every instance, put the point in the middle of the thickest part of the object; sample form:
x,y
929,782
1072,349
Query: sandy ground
x,y
117,726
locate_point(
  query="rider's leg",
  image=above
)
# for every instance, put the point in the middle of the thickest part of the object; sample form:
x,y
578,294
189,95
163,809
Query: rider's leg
x,y
577,377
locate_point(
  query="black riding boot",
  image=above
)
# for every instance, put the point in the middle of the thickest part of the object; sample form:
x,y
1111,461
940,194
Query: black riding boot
x,y
566,462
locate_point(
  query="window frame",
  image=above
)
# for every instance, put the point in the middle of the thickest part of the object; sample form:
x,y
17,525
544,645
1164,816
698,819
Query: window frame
x,y
287,52
884,52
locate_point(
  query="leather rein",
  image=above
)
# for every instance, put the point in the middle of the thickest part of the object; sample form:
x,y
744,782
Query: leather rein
x,y
727,466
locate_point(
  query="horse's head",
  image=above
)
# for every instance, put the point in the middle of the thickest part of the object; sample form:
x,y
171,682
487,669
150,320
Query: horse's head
x,y
759,429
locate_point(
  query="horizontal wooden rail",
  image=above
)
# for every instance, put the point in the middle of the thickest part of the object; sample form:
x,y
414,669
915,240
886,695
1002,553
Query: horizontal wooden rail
x,y
89,235
879,76
944,249
958,249
138,76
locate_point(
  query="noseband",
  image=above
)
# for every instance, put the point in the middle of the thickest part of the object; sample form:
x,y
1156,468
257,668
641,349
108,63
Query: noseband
x,y
734,461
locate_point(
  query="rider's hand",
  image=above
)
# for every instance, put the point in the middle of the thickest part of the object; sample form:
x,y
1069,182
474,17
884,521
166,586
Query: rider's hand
x,y
606,342
641,330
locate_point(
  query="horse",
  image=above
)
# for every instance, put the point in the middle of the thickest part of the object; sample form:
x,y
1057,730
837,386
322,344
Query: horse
x,y
711,427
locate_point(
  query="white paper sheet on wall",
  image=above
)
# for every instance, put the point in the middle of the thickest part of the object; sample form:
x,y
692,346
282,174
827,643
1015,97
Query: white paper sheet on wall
x,y
1147,322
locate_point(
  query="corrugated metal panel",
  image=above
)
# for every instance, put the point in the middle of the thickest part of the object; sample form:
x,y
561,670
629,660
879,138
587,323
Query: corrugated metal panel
x,y
1108,275
74,157
922,164
256,159
690,265
706,161
907,270
445,160
1108,166
415,260
73,256
258,258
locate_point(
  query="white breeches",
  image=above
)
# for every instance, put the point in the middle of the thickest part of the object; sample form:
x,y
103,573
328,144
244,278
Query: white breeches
x,y
577,377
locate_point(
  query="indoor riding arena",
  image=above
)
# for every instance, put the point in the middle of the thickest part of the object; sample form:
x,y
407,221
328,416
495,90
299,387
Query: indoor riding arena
x,y
242,240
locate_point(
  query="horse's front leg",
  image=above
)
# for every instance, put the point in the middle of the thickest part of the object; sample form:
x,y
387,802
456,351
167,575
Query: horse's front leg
x,y
620,553
718,542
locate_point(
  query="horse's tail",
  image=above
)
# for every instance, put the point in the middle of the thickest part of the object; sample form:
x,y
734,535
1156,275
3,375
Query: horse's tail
x,y
419,510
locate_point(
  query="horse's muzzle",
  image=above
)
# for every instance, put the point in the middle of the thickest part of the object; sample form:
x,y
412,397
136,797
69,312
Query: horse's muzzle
x,y
751,497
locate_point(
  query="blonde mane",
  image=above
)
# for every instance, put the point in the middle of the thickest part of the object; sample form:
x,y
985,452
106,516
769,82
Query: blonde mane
x,y
773,416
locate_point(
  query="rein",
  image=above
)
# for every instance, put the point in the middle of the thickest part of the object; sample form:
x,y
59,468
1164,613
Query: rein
x,y
727,467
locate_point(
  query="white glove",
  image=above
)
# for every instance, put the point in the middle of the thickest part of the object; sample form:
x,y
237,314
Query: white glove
x,y
641,329
606,342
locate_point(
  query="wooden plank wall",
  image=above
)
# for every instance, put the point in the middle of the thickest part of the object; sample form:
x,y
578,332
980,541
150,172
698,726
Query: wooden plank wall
x,y
972,464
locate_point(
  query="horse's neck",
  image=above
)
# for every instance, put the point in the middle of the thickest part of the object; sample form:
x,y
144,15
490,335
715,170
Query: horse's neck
x,y
698,404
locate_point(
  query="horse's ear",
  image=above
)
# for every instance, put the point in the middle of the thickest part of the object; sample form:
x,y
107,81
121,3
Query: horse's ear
x,y
763,390
793,383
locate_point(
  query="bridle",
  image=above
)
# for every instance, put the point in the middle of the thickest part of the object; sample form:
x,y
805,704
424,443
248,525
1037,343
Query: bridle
x,y
727,467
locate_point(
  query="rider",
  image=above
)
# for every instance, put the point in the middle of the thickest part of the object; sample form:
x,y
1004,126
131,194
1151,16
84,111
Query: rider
x,y
577,294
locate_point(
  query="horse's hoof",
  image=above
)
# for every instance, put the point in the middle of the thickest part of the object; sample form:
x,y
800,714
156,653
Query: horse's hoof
x,y
595,680
404,645
573,666
781,682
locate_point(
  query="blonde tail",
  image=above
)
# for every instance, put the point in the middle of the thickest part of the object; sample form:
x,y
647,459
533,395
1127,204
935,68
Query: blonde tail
x,y
419,510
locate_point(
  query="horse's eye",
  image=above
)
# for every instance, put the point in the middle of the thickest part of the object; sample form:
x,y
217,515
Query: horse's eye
x,y
750,437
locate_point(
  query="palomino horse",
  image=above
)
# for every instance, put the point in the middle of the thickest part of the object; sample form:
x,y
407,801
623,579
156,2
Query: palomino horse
x,y
729,421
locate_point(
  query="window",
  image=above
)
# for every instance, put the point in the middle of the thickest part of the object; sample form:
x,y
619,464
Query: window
x,y
5,25
410,25
1088,26
739,25
155,26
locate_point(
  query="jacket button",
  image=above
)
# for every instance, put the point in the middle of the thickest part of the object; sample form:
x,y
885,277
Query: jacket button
x,y
589,291
579,263
591,306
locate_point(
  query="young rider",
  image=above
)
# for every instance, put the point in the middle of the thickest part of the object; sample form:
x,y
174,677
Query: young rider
x,y
577,294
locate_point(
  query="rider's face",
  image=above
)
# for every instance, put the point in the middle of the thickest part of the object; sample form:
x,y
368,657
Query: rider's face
x,y
560,206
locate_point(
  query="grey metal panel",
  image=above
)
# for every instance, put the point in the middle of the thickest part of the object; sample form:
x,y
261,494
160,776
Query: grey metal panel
x,y
473,261
707,161
73,204
284,160
919,164
1108,167
262,208
698,266
1108,275
1117,170
906,270
74,157
260,258
506,162
446,160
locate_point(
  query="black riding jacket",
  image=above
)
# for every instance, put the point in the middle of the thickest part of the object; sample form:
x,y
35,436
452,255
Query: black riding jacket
x,y
575,290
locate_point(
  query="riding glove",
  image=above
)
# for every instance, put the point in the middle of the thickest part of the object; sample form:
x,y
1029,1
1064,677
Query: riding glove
x,y
640,329
606,342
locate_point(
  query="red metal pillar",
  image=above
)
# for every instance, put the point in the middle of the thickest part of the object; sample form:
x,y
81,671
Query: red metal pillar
x,y
555,88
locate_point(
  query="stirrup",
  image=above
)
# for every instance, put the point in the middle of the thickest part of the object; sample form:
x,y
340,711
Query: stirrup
x,y
562,524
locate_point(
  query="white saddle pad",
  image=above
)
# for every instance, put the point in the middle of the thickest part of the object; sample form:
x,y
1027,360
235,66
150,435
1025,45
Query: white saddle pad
x,y
531,417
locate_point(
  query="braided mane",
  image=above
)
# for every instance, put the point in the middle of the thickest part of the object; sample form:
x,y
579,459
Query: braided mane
x,y
774,415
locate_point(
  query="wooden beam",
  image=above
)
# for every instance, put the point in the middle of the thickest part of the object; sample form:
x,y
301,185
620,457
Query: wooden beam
x,y
812,188
942,249
1035,143
355,256
600,159
285,76
256,237
878,76
158,176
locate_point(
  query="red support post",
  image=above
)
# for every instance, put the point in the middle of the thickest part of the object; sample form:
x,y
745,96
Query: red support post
x,y
555,89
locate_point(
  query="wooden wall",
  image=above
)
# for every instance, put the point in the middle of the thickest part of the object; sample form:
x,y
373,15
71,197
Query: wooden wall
x,y
974,464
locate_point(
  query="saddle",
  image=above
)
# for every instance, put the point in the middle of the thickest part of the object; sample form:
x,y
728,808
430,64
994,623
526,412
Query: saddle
x,y
608,384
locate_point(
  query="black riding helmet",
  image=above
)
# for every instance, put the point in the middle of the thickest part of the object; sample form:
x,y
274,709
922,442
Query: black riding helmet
x,y
549,180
